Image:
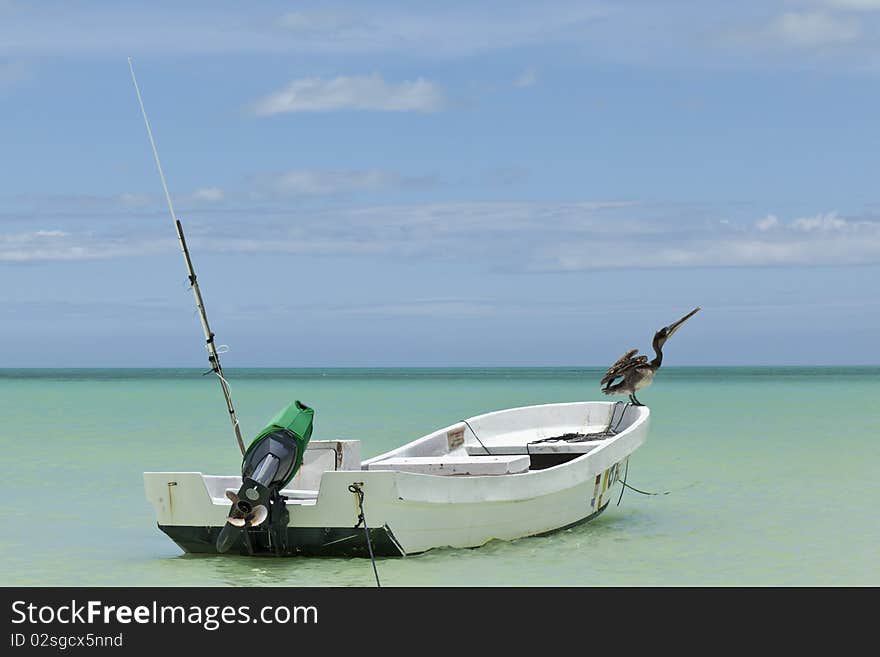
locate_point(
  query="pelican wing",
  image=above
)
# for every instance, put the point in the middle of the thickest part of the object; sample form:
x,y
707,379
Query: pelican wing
x,y
623,365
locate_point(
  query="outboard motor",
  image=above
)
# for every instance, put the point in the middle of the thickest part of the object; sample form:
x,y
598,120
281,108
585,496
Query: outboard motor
x,y
270,462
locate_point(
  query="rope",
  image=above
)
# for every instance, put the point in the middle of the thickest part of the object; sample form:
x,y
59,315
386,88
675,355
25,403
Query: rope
x,y
608,431
357,489
643,492
623,487
584,437
227,391
478,438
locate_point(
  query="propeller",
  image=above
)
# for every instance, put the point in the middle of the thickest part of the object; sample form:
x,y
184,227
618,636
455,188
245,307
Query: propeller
x,y
243,514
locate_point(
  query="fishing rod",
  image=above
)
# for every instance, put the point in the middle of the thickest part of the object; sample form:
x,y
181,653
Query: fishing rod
x,y
213,355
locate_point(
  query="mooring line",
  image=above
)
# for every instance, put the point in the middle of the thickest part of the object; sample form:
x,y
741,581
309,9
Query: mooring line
x,y
357,489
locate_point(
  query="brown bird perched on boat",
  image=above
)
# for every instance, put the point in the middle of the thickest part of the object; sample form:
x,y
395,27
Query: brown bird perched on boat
x,y
632,373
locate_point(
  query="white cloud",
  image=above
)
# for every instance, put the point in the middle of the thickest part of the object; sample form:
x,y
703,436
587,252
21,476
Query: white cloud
x,y
208,195
53,245
311,182
823,239
351,93
633,33
440,31
527,78
37,236
140,200
739,252
569,237
814,29
447,308
821,222
135,200
517,236
767,223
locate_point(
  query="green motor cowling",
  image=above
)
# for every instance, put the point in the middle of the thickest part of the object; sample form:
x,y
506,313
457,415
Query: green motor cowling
x,y
292,424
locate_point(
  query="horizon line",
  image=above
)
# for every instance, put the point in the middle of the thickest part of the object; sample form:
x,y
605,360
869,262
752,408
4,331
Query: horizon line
x,y
408,367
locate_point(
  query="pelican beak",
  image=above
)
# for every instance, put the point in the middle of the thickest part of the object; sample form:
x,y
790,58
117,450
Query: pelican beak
x,y
672,328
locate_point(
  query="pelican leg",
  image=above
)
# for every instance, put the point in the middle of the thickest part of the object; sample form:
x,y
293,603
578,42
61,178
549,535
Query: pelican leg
x,y
634,400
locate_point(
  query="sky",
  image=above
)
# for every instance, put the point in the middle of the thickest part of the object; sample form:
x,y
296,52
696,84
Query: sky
x,y
441,184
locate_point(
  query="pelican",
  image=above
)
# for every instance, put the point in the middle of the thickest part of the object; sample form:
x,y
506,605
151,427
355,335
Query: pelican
x,y
632,372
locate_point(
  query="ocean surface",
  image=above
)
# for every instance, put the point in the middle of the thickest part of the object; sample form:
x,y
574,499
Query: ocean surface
x,y
768,476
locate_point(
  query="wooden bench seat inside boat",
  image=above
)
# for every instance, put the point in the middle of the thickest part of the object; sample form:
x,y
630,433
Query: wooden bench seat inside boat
x,y
550,447
455,465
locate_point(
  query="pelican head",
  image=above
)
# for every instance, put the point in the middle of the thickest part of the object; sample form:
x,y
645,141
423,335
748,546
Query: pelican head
x,y
661,336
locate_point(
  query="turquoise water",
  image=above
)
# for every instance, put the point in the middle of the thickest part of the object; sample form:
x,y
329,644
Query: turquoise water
x,y
771,473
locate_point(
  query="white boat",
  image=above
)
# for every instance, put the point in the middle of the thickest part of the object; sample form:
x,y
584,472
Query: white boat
x,y
502,475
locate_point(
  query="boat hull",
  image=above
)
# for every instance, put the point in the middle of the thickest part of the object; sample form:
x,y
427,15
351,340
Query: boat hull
x,y
309,541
